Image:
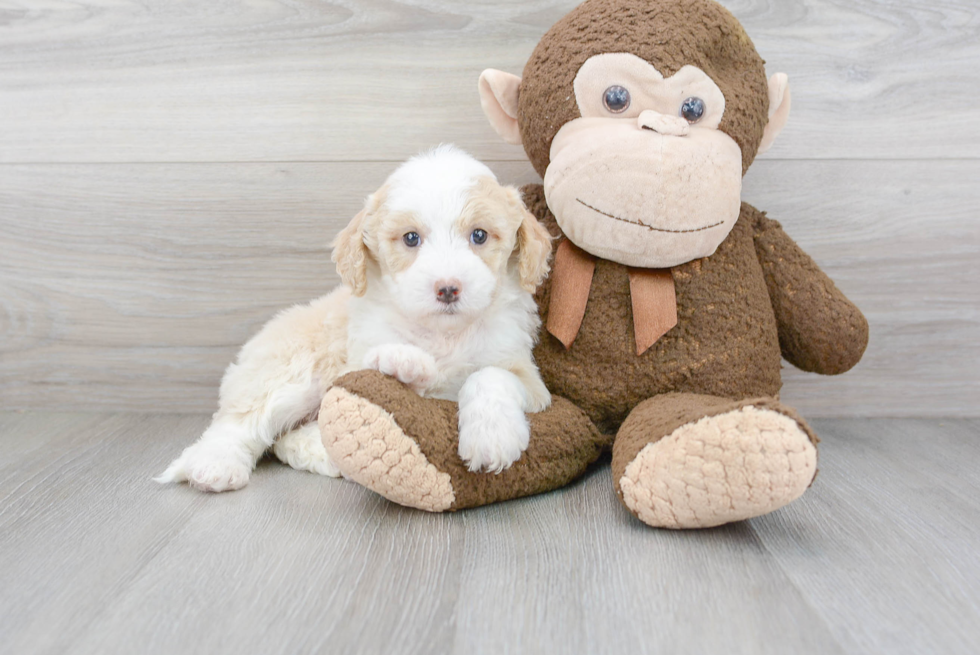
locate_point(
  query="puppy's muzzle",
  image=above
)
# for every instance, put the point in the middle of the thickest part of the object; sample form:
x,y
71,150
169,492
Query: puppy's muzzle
x,y
447,291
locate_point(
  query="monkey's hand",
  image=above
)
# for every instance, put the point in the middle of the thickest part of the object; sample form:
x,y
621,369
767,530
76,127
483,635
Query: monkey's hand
x,y
820,330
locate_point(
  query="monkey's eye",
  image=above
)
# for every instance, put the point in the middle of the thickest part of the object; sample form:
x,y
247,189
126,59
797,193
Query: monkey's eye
x,y
692,109
412,239
616,99
478,237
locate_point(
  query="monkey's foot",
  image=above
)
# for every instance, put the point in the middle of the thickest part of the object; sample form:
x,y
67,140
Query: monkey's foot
x,y
385,437
370,449
739,461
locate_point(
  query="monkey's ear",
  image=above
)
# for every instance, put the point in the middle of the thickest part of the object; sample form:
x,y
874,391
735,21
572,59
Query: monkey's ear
x,y
779,101
350,253
498,95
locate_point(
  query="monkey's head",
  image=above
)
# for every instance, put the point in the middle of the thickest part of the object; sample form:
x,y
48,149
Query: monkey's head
x,y
642,116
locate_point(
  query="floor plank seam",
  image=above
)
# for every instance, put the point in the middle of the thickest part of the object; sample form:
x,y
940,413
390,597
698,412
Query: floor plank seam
x,y
800,591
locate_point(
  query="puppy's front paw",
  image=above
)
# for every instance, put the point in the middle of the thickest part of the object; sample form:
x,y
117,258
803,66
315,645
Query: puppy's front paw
x,y
408,364
493,433
209,467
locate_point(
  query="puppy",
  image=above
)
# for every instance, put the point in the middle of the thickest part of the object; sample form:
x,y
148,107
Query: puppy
x,y
438,274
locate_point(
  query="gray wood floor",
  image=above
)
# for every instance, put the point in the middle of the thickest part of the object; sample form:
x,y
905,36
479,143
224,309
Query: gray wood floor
x,y
880,556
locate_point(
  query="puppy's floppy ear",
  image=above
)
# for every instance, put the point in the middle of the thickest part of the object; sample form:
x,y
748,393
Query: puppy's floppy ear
x,y
350,253
534,249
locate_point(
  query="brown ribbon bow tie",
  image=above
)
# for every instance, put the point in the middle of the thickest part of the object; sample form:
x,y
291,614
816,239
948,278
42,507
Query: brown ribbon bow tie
x,y
651,292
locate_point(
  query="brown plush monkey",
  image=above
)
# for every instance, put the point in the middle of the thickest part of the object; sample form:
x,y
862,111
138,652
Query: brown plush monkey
x,y
670,300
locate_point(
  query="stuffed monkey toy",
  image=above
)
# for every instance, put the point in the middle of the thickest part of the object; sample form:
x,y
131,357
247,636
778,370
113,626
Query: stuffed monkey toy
x,y
670,301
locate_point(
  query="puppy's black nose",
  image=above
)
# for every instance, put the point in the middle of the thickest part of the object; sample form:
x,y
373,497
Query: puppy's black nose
x,y
448,295
447,291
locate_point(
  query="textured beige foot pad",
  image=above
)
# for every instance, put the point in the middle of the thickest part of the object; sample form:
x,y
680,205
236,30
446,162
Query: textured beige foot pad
x,y
368,447
724,468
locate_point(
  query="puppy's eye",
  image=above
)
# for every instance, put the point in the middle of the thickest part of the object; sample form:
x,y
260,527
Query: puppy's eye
x,y
412,239
479,237
692,109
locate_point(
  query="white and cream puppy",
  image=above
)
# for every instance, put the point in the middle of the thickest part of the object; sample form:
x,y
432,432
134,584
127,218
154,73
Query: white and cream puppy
x,y
439,271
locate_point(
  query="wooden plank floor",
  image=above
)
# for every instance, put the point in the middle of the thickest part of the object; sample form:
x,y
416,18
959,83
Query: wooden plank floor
x,y
880,556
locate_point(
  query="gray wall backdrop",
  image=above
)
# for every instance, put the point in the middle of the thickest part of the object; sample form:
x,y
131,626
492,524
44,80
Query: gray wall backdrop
x,y
171,174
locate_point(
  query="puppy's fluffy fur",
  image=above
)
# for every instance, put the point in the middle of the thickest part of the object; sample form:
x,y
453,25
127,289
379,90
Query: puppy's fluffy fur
x,y
425,299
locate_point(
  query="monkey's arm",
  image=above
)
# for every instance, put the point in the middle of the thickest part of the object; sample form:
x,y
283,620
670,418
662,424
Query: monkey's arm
x,y
820,330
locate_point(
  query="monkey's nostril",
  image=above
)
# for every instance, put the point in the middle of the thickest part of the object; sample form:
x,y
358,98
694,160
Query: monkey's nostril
x,y
666,131
662,124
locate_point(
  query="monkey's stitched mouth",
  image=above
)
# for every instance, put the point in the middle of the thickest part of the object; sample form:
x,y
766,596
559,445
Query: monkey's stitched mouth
x,y
649,227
